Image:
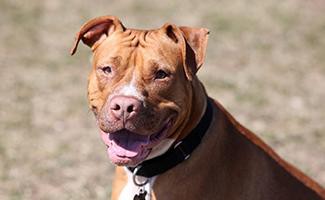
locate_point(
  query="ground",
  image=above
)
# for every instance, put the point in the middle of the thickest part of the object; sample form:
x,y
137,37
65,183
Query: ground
x,y
265,64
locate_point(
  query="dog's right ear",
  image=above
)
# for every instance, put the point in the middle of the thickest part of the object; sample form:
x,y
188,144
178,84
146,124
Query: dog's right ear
x,y
93,32
196,41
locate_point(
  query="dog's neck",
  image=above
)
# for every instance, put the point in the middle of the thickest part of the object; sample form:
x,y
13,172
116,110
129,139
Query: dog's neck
x,y
197,107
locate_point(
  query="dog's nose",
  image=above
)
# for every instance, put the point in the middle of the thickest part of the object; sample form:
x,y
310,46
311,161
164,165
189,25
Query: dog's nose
x,y
124,107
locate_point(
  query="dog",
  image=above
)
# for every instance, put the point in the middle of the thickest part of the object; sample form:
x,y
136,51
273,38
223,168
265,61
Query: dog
x,y
168,139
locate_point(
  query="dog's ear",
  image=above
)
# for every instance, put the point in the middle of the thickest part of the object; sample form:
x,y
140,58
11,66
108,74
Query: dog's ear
x,y
172,32
93,32
196,40
193,42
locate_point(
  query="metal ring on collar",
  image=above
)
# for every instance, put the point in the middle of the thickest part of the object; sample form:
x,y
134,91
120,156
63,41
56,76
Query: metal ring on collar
x,y
135,180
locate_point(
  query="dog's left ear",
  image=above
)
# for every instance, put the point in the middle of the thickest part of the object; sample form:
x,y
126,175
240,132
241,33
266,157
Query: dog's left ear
x,y
93,32
196,40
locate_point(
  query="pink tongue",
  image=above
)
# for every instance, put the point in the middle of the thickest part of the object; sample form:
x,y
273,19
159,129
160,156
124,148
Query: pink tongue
x,y
127,144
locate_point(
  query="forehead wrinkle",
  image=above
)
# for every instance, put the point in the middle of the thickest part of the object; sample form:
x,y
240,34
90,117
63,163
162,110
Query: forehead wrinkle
x,y
142,39
151,39
132,38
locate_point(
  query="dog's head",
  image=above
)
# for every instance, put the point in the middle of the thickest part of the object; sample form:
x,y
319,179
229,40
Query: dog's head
x,y
140,86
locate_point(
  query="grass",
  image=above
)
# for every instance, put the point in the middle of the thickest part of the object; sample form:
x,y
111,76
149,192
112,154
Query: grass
x,y
269,71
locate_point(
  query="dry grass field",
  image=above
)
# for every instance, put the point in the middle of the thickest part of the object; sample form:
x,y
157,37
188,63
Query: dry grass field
x,y
265,63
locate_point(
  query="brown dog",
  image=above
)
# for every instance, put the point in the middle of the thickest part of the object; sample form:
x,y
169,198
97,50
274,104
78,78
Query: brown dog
x,y
153,111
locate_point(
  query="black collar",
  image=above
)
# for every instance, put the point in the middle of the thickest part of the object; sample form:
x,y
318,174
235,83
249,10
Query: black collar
x,y
179,152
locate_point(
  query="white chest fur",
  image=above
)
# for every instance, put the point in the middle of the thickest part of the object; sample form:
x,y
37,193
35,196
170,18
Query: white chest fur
x,y
130,189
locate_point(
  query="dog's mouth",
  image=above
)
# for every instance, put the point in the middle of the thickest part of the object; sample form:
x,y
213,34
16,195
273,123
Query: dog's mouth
x,y
128,148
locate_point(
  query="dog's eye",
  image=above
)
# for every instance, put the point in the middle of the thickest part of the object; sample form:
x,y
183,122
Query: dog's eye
x,y
107,69
161,74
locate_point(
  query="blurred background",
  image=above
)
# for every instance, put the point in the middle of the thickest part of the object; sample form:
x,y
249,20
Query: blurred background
x,y
265,64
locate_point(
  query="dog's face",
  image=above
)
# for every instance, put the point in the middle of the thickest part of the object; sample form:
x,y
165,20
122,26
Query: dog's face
x,y
140,84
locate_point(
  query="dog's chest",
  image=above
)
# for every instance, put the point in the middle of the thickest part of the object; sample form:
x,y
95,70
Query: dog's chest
x,y
130,190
